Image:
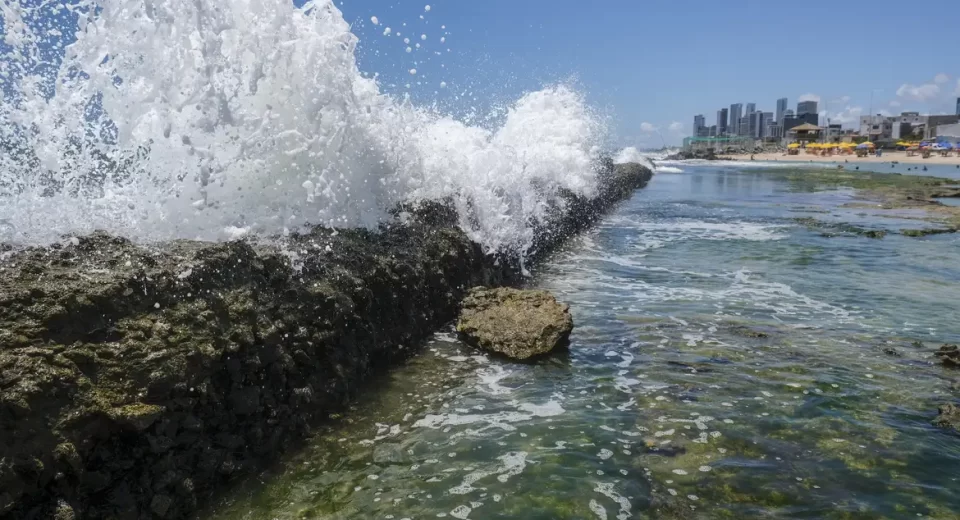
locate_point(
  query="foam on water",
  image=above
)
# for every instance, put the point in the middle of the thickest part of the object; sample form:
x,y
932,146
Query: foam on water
x,y
668,169
213,120
656,234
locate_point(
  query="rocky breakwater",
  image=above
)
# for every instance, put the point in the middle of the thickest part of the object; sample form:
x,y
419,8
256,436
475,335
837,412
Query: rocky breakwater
x,y
136,380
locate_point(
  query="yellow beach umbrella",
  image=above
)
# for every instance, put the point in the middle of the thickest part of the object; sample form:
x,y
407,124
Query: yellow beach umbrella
x,y
793,145
813,145
868,143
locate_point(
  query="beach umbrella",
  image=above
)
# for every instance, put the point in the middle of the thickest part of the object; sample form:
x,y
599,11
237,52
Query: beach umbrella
x,y
864,146
793,145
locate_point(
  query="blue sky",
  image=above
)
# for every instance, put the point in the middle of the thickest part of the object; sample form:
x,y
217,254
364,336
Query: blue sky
x,y
653,65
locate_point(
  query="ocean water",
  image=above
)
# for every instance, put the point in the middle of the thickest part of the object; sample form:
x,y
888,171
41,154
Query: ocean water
x,y
726,363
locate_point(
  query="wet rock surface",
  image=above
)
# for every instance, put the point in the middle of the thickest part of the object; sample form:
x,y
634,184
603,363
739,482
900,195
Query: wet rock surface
x,y
948,417
519,324
949,355
136,380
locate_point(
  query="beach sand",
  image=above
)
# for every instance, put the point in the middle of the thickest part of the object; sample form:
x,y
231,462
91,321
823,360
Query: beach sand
x,y
900,157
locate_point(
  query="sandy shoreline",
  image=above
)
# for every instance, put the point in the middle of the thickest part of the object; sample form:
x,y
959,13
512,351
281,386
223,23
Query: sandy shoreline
x,y
887,157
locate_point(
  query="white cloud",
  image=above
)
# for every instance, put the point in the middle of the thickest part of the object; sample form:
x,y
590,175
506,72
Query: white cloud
x,y
894,103
923,93
845,99
810,97
676,126
941,78
647,128
849,116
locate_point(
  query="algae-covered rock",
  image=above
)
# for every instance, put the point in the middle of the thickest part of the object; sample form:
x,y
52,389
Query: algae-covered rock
x,y
948,417
516,323
949,355
137,417
916,233
136,379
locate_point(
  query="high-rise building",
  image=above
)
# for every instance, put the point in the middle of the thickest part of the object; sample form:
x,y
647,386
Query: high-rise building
x,y
721,121
958,106
736,112
755,128
751,108
806,107
744,126
765,120
781,109
699,123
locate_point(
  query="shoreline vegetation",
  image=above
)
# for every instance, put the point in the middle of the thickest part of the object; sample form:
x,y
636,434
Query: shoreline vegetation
x,y
138,381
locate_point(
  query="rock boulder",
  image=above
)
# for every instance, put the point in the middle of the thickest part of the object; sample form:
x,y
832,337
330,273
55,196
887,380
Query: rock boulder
x,y
519,324
949,355
949,417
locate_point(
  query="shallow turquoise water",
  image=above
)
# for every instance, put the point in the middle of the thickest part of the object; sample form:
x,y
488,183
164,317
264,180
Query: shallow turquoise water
x,y
727,363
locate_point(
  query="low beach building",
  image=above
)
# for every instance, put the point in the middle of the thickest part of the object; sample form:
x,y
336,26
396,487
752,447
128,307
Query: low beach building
x,y
805,133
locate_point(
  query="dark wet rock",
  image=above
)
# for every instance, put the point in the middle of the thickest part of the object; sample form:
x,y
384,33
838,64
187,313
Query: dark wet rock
x,y
948,417
64,511
160,505
949,355
916,233
836,229
517,323
136,380
748,332
136,416
890,351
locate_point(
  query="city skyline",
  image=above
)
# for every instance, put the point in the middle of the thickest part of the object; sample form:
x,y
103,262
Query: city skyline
x,y
756,123
495,58
773,126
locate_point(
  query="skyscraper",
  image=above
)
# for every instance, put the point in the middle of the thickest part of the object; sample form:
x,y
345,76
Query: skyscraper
x,y
958,106
766,118
806,107
781,109
736,112
756,125
699,123
751,108
721,121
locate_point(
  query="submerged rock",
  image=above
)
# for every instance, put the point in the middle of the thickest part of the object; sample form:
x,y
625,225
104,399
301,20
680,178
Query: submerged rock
x,y
516,323
948,417
926,232
949,355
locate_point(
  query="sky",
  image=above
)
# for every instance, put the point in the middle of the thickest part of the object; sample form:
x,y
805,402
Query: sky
x,y
650,66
